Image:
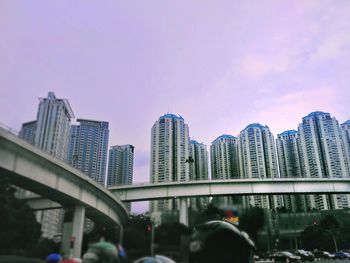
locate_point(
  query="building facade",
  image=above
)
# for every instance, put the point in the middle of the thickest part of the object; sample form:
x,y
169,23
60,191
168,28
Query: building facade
x,y
258,160
169,153
224,157
345,129
51,133
27,131
53,125
88,147
120,165
324,155
225,165
198,161
288,152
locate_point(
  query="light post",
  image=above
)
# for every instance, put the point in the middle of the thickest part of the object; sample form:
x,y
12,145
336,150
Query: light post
x,y
152,238
151,228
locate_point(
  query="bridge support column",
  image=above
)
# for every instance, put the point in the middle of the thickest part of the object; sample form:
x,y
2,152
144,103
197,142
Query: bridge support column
x,y
183,211
78,228
72,234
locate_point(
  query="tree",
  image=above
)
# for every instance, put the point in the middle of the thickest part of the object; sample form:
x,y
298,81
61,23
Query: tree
x,y
324,235
170,233
18,225
137,235
252,221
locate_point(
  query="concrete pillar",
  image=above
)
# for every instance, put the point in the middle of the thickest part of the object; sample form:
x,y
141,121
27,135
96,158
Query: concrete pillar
x,y
121,234
77,231
183,211
66,235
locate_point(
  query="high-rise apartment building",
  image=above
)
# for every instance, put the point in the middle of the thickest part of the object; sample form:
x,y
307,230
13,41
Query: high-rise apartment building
x,y
324,155
224,157
169,152
198,161
345,128
27,131
88,147
50,132
120,165
288,152
225,165
53,125
258,160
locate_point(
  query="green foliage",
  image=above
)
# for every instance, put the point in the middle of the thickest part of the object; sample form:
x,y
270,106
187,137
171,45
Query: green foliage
x,y
18,225
136,233
43,248
252,221
330,229
170,233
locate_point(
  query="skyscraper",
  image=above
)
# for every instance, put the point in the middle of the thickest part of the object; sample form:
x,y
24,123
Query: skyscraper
x,y
288,152
225,165
88,146
52,134
53,124
258,160
324,155
169,152
224,157
345,128
120,165
27,131
198,161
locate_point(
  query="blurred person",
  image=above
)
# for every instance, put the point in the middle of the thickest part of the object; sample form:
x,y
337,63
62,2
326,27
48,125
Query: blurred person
x,y
101,252
220,241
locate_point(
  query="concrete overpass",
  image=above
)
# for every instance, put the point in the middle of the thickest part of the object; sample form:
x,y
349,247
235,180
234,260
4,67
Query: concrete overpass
x,y
184,190
142,192
35,170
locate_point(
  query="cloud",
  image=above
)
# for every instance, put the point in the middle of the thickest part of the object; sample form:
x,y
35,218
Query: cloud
x,y
286,111
258,66
331,47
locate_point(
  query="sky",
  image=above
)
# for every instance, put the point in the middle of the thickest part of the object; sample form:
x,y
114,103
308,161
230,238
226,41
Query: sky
x,y
221,65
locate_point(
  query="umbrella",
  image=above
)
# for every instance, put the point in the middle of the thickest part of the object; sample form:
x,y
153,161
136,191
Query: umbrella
x,y
106,246
101,248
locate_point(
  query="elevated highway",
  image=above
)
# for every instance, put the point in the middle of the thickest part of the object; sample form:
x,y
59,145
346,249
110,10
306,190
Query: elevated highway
x,y
35,170
142,192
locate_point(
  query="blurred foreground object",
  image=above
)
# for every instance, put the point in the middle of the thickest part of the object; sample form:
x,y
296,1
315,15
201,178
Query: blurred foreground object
x,y
101,252
155,259
53,258
220,241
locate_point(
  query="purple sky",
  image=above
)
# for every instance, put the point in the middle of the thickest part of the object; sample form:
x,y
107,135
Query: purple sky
x,y
219,64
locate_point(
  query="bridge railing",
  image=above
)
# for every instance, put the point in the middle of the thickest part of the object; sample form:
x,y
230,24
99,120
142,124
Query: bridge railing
x,y
9,129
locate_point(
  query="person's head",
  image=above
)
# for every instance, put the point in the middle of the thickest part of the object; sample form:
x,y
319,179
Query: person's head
x,y
219,241
101,252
